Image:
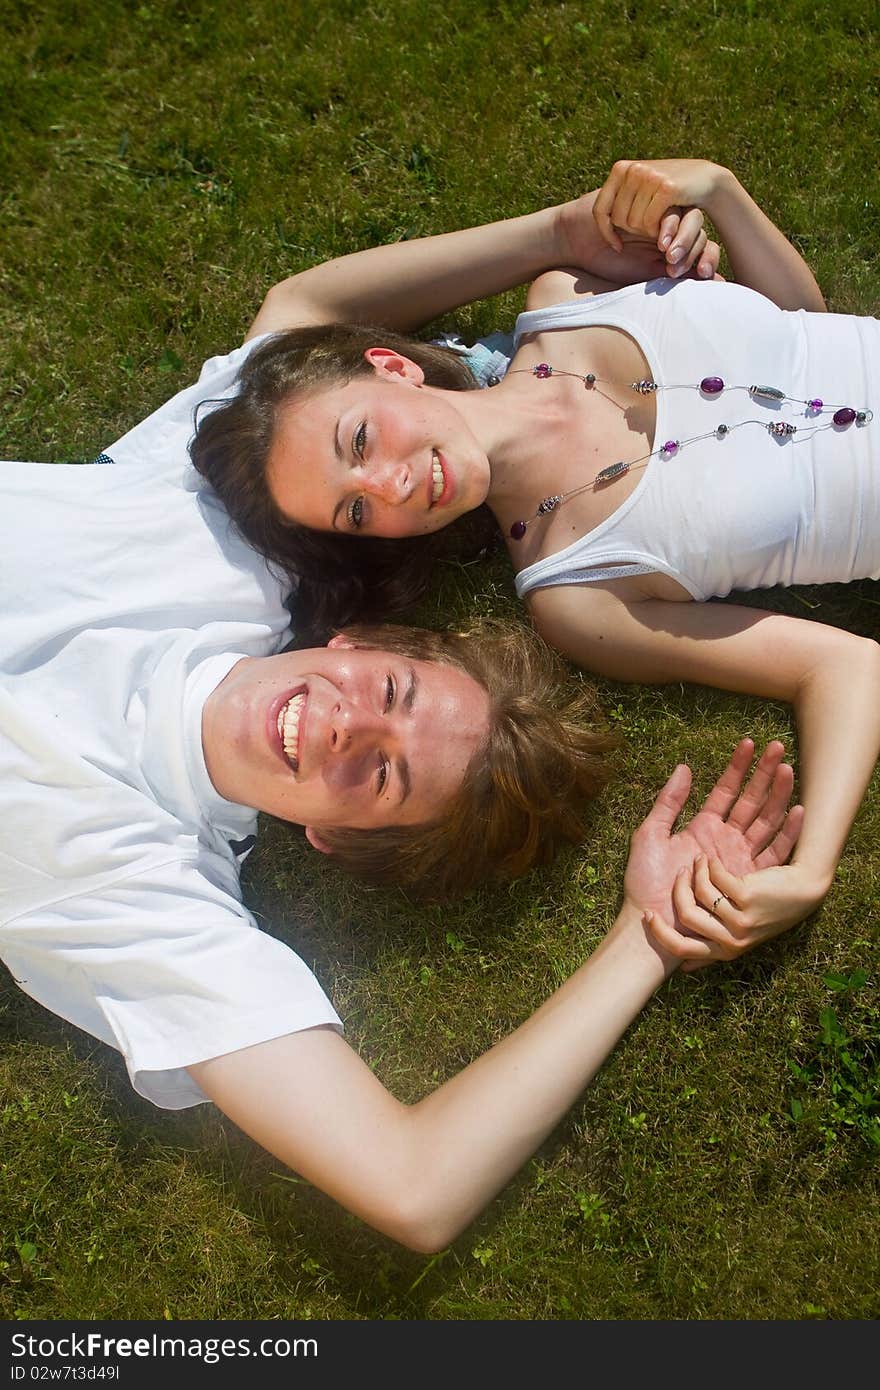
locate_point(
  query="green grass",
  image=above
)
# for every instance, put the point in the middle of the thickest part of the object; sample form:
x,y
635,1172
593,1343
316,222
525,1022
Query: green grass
x,y
161,164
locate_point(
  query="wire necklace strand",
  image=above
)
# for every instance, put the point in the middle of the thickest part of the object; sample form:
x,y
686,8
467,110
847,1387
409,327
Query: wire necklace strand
x,y
709,387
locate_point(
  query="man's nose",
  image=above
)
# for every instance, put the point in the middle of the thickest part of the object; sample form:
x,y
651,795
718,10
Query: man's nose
x,y
351,726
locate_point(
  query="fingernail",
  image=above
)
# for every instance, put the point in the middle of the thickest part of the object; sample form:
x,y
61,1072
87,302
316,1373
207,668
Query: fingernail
x,y
646,919
676,253
665,240
705,271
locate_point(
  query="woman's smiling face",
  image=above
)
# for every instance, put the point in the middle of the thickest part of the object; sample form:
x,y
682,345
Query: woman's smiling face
x,y
381,455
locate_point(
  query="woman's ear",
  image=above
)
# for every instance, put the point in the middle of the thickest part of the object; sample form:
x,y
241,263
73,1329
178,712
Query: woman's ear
x,y
393,365
340,642
316,842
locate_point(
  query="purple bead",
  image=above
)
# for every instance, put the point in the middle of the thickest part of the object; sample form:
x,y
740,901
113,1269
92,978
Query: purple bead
x,y
815,403
844,416
543,369
711,385
518,530
670,447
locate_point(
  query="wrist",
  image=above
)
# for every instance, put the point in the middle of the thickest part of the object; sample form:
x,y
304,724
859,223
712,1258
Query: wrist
x,y
642,946
817,878
725,190
575,234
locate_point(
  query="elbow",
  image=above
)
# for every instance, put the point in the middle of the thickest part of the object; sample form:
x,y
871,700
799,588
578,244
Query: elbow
x,y
866,655
422,1226
424,1210
843,658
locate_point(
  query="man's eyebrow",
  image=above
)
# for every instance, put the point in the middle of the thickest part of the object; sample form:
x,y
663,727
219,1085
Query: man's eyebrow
x,y
405,780
403,766
412,690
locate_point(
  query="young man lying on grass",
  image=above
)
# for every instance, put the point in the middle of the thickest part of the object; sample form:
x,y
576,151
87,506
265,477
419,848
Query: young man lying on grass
x,y
140,733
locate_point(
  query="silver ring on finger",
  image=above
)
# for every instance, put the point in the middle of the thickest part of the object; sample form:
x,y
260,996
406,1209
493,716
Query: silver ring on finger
x,y
722,898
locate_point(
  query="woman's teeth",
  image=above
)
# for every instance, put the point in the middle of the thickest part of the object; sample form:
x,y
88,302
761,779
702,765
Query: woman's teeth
x,y
437,476
288,727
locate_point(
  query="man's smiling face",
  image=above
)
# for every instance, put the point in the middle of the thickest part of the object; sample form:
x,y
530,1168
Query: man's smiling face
x,y
341,736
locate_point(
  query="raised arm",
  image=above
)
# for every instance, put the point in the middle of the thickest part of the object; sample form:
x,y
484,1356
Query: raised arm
x,y
831,677
421,1173
638,193
407,283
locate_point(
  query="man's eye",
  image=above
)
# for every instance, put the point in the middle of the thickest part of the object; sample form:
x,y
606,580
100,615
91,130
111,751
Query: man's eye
x,y
390,690
382,777
355,513
360,439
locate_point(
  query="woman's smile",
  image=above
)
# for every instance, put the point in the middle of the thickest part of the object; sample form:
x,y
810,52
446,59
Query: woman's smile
x,y
372,458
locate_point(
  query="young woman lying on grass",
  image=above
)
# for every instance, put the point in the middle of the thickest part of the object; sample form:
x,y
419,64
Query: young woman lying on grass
x,y
648,449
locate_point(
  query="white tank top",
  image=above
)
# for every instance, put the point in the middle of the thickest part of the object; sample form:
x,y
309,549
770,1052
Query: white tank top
x,y
752,509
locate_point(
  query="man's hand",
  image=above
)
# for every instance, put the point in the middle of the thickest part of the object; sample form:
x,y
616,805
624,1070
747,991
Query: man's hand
x,y
678,246
720,885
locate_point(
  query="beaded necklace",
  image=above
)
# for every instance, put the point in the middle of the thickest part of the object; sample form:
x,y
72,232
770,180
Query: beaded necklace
x,y
710,386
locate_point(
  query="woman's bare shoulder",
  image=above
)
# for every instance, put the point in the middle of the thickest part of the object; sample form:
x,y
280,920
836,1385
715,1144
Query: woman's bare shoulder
x,y
556,286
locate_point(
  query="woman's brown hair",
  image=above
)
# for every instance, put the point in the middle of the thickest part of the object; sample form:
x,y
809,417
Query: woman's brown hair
x,y
525,791
337,578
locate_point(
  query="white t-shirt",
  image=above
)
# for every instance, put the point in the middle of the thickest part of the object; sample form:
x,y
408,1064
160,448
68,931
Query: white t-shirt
x,y
126,598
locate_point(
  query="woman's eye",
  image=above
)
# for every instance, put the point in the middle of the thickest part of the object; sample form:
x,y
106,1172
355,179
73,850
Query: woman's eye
x,y
360,439
355,513
389,692
382,778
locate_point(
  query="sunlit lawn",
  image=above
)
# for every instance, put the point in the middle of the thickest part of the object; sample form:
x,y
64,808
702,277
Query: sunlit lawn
x,y
161,165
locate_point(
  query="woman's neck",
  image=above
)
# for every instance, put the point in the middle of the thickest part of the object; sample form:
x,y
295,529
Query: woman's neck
x,y
517,430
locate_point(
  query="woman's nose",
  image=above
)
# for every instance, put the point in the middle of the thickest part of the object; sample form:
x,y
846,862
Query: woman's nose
x,y
391,482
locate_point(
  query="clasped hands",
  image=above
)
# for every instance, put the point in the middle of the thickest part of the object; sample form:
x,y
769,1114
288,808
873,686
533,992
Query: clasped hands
x,y
645,221
722,883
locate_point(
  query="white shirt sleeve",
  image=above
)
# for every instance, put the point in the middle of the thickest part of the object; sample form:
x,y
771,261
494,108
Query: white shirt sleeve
x,y
167,967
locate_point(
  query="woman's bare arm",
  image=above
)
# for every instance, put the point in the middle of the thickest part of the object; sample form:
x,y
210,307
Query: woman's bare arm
x,y
637,194
831,677
407,283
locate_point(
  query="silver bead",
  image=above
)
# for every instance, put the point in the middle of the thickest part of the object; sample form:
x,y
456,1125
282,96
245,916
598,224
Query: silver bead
x,y
614,470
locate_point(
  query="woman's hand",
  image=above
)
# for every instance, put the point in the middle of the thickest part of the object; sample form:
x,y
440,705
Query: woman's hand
x,y
646,197
724,914
748,834
677,248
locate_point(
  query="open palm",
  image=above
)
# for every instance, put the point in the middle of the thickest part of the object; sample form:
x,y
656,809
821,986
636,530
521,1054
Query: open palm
x,y
742,829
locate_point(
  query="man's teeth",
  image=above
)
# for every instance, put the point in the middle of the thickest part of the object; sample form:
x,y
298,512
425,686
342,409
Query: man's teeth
x,y
288,725
437,475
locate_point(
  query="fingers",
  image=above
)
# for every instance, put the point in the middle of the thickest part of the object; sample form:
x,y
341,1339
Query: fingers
x,y
707,266
603,205
769,817
701,937
752,799
684,948
688,244
670,801
712,881
726,790
668,228
780,849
